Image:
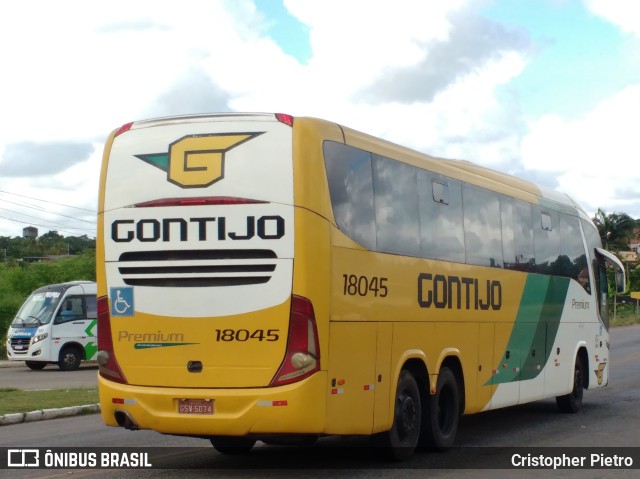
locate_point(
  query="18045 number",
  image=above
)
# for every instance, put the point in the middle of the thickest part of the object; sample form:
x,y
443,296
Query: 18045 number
x,y
242,335
354,285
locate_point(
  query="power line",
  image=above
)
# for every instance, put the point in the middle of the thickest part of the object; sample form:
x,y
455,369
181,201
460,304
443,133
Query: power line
x,y
46,201
54,227
47,211
42,219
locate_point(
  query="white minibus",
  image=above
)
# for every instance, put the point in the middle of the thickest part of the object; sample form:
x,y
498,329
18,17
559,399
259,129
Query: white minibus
x,y
56,324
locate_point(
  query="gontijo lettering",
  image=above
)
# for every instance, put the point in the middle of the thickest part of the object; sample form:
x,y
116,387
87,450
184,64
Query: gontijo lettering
x,y
458,292
200,229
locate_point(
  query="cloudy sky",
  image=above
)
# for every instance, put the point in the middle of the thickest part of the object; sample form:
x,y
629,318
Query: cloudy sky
x,y
548,90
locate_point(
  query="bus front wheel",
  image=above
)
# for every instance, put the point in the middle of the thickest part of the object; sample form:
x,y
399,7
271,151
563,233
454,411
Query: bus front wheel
x,y
572,402
441,426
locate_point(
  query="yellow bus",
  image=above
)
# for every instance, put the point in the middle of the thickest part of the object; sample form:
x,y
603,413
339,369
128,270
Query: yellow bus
x,y
265,277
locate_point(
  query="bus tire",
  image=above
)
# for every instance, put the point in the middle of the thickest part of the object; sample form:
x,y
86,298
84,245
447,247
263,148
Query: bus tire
x,y
35,365
232,445
402,439
70,358
441,426
572,402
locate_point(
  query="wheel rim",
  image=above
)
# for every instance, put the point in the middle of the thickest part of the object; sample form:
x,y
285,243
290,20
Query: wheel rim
x,y
69,358
407,415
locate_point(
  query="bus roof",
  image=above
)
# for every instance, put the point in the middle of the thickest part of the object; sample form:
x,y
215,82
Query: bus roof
x,y
459,169
463,170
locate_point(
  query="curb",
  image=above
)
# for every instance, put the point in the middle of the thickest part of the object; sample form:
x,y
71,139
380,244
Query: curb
x,y
43,414
5,363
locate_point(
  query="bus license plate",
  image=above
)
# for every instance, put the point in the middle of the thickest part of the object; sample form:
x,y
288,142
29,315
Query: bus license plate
x,y
195,406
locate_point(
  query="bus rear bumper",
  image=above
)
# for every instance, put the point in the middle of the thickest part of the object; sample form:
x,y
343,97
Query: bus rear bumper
x,y
297,408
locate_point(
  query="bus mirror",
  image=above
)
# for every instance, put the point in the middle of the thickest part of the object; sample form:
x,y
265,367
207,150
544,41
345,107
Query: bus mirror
x,y
617,266
620,282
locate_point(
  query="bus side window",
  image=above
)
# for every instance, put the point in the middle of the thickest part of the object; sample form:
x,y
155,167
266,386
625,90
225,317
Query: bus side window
x,y
517,234
546,241
349,173
440,217
396,207
72,309
482,228
575,265
92,307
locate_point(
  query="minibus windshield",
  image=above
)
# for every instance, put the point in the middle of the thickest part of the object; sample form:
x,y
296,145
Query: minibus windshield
x,y
37,309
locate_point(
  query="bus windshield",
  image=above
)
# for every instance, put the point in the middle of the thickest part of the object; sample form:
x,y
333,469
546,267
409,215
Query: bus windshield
x,y
37,309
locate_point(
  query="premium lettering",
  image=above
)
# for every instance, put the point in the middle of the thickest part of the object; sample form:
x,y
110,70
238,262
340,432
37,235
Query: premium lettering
x,y
197,229
458,292
156,337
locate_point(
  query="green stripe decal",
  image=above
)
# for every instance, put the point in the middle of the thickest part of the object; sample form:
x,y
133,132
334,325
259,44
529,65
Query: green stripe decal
x,y
552,311
159,160
159,345
534,330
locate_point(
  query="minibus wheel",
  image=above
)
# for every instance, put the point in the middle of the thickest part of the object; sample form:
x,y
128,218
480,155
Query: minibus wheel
x,y
70,358
35,365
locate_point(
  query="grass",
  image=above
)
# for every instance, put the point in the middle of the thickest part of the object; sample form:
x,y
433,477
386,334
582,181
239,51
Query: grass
x,y
625,315
14,400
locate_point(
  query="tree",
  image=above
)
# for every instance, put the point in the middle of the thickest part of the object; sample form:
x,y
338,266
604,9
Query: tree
x,y
616,229
51,243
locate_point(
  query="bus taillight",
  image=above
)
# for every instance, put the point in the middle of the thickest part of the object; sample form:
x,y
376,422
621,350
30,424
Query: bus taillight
x,y
302,357
123,129
284,118
106,358
199,201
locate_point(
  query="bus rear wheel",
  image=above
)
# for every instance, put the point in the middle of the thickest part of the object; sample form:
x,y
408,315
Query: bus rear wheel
x,y
232,445
572,402
401,440
35,365
441,426
70,358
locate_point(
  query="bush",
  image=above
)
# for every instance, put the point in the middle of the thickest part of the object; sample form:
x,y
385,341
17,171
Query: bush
x,y
626,314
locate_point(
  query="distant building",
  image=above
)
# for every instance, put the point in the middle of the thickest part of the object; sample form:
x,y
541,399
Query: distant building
x,y
631,256
30,232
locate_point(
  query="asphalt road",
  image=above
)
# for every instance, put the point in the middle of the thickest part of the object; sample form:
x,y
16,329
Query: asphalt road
x,y
17,375
610,418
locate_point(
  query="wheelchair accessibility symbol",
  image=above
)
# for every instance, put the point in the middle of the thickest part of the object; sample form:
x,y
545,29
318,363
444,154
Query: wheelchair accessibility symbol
x,y
122,301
